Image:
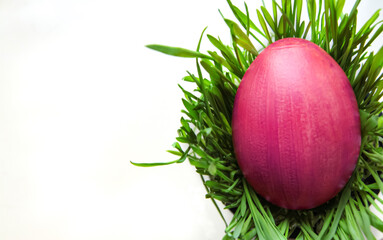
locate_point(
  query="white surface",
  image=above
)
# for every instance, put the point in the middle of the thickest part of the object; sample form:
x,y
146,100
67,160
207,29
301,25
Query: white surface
x,y
80,96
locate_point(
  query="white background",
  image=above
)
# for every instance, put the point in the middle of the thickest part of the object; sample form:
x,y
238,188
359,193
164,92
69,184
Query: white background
x,y
80,96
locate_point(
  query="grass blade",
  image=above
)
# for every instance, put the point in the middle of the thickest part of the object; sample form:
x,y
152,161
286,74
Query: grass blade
x,y
346,194
177,52
152,164
264,27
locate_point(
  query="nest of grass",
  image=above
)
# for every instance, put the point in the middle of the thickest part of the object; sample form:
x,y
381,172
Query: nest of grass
x,y
206,136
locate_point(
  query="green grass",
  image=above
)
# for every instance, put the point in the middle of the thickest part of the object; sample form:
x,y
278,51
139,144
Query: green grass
x,y
205,130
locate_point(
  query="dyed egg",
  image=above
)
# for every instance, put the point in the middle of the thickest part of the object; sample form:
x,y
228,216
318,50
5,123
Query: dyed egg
x,y
296,125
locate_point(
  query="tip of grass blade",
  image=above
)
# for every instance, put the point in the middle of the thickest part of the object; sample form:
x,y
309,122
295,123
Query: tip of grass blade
x,y
152,46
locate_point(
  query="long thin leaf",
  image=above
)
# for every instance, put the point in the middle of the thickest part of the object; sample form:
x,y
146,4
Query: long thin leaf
x,y
178,52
